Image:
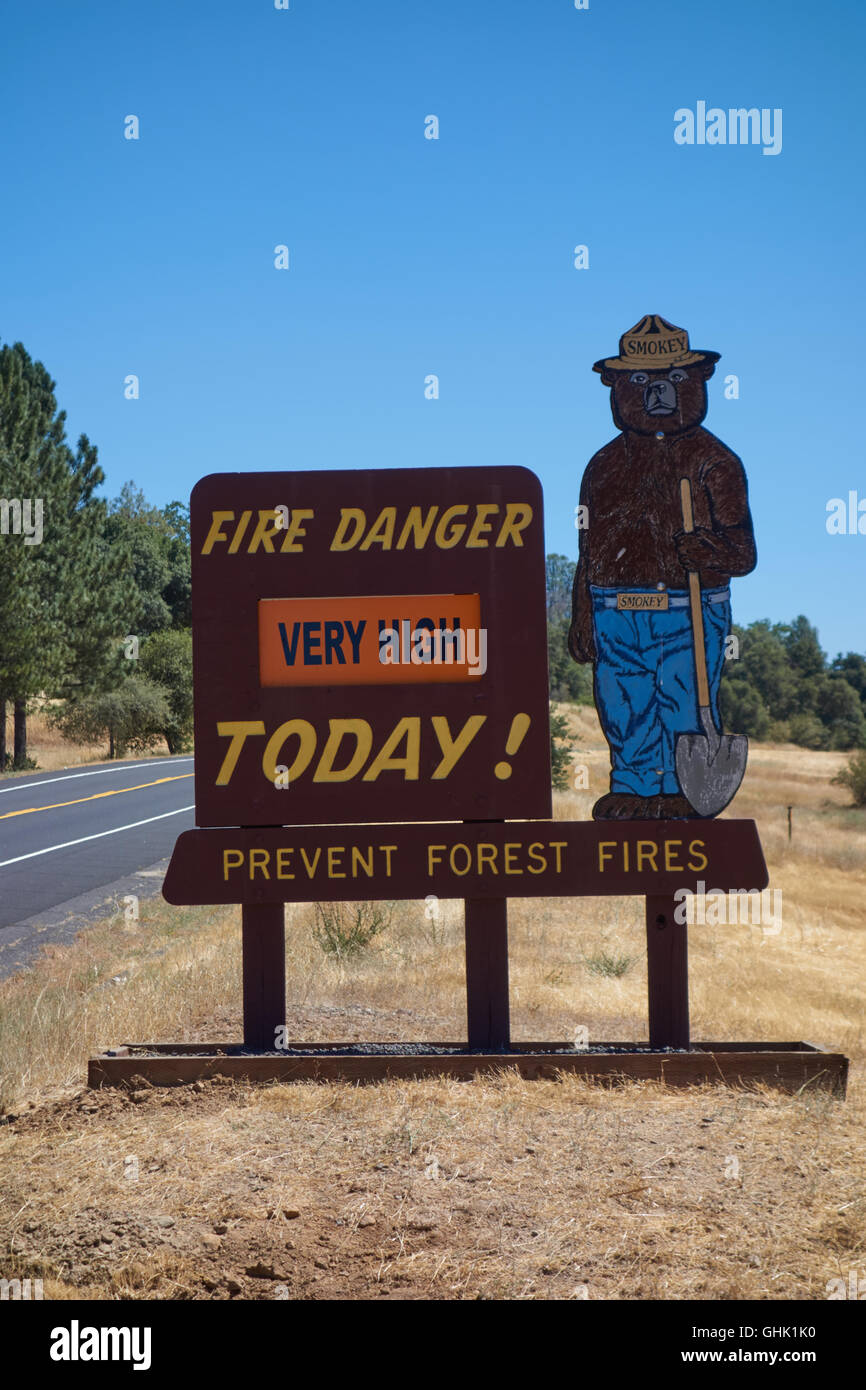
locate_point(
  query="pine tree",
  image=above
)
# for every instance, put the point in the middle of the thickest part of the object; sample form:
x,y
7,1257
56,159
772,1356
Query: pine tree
x,y
62,592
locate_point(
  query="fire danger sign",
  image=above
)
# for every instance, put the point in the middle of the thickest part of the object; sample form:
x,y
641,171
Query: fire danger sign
x,y
369,647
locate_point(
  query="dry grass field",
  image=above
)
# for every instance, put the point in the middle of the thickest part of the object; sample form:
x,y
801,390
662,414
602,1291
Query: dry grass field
x,y
52,752
496,1188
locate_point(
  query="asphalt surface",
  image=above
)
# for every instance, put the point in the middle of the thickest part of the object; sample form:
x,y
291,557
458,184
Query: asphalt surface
x,y
73,844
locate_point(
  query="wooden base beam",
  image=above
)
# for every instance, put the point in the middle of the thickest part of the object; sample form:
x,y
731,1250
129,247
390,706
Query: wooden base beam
x,y
787,1066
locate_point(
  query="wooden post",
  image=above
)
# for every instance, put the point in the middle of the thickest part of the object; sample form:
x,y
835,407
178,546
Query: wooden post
x,y
790,825
487,973
668,974
264,974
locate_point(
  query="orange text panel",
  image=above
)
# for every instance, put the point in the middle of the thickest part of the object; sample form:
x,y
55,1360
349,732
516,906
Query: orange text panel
x,y
402,639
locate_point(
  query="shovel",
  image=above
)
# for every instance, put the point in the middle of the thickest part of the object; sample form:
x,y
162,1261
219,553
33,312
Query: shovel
x,y
710,766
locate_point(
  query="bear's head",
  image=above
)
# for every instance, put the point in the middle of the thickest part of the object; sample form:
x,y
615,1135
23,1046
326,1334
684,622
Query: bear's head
x,y
669,401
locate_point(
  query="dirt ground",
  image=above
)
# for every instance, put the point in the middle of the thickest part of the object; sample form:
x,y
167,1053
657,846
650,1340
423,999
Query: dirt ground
x,y
492,1189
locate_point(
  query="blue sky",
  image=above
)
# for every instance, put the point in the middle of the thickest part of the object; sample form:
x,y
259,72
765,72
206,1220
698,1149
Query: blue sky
x,y
455,256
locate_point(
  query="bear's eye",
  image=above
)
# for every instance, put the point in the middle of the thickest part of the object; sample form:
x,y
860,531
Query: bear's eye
x,y
639,378
678,375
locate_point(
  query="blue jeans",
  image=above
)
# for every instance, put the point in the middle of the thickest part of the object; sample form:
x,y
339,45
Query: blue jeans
x,y
645,683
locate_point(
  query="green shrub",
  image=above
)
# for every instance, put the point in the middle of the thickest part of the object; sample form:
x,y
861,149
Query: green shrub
x,y
133,716
604,963
854,777
345,929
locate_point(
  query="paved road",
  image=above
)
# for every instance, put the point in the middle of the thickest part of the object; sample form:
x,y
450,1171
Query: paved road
x,y
68,837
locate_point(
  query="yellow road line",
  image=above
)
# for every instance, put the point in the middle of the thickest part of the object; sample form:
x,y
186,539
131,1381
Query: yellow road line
x,y
29,810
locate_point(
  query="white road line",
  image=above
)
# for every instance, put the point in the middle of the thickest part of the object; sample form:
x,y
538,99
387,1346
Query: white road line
x,y
99,772
98,836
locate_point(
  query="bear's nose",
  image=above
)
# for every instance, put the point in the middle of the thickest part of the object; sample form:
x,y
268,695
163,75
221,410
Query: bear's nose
x,y
660,395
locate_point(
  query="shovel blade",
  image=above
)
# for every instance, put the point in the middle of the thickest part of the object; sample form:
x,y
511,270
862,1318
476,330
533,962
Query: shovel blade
x,y
709,778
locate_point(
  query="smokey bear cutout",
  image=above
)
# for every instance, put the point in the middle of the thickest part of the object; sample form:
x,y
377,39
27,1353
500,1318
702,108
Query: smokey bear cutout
x,y
665,526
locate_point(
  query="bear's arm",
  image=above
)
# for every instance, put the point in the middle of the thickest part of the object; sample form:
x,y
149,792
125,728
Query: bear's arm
x,y
723,479
581,644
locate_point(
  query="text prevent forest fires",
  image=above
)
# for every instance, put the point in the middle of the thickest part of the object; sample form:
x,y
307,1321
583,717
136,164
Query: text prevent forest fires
x,y
493,860
442,860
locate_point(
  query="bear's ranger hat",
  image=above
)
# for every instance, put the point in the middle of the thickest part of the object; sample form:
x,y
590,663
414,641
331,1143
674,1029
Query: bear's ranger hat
x,y
655,344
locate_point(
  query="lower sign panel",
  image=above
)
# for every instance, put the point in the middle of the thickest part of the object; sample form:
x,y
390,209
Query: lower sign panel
x,y
511,859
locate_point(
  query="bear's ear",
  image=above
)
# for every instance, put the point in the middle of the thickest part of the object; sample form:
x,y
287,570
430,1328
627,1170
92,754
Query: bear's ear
x,y
608,377
706,370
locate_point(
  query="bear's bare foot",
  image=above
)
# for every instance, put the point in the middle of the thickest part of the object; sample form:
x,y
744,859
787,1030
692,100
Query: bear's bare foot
x,y
620,806
669,808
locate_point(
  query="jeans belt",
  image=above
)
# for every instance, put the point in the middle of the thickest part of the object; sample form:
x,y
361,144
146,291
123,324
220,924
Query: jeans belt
x,y
675,600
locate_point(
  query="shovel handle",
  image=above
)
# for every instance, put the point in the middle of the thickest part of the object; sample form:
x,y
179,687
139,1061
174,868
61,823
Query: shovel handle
x,y
695,601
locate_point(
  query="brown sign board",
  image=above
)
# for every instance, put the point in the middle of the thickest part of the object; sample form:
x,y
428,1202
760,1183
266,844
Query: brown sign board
x,y
512,860
369,646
